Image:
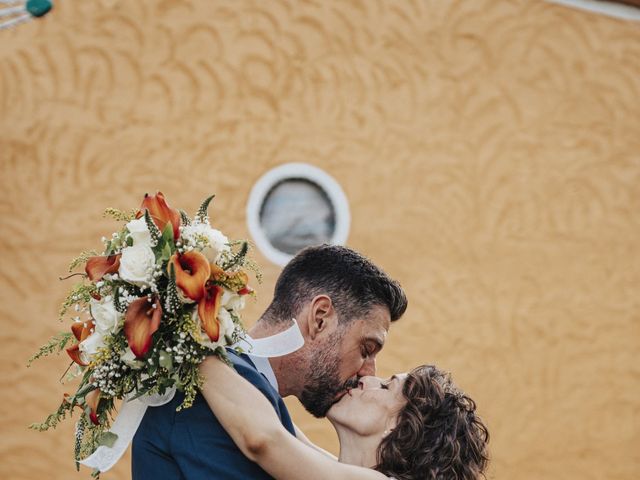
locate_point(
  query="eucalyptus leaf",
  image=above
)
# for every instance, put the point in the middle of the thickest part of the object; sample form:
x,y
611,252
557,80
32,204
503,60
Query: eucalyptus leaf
x,y
134,364
107,439
166,361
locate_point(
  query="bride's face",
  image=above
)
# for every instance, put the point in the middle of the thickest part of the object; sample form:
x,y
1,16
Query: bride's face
x,y
370,409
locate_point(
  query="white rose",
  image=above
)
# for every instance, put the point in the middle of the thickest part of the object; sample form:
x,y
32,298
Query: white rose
x,y
129,358
105,315
232,301
139,231
128,355
217,242
226,323
137,264
91,344
226,328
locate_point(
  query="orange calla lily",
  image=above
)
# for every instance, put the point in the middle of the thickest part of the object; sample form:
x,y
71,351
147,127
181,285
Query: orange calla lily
x,y
97,267
80,330
208,309
74,353
92,399
161,212
235,280
192,271
140,323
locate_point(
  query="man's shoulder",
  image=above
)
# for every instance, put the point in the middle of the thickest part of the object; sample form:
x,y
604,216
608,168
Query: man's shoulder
x,y
240,358
245,367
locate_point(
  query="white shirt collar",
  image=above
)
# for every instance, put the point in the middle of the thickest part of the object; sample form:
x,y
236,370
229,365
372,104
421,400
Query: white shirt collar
x,y
260,349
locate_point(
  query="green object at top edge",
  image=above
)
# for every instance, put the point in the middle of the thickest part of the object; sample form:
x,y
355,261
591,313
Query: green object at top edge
x,y
38,8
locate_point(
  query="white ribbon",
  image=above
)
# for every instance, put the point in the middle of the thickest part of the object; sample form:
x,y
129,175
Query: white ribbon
x,y
132,411
129,417
276,345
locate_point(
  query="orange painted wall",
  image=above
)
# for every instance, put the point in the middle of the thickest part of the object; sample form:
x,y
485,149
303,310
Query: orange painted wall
x,y
490,151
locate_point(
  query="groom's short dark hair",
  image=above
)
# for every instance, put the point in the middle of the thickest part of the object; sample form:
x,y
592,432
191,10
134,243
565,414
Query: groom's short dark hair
x,y
353,282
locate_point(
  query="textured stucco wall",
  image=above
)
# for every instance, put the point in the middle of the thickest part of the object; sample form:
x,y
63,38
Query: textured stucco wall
x,y
490,151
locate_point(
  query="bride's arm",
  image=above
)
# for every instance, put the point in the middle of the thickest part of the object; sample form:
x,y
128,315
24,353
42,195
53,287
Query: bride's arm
x,y
254,426
304,439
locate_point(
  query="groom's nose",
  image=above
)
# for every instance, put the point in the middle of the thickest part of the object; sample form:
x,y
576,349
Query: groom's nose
x,y
368,367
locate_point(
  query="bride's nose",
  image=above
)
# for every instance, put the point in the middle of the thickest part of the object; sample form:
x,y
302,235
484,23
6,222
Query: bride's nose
x,y
369,382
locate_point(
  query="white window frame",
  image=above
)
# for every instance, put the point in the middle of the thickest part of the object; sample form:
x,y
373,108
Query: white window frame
x,y
616,10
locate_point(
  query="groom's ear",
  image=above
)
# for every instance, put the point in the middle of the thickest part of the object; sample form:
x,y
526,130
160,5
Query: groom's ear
x,y
322,316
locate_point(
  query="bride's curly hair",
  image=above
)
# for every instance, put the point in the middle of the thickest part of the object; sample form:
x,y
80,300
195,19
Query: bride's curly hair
x,y
438,436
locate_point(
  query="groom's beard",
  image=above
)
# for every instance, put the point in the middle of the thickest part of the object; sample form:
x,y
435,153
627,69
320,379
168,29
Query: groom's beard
x,y
323,385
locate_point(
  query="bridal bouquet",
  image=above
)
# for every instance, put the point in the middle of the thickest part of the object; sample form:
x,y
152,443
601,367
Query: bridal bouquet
x,y
166,292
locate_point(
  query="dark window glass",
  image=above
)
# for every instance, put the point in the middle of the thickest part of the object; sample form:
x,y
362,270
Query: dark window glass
x,y
297,213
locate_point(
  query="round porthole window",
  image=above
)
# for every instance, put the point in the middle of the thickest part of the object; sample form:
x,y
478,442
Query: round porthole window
x,y
295,206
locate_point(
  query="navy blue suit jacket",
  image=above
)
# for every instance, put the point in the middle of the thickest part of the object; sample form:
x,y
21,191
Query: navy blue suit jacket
x,y
191,444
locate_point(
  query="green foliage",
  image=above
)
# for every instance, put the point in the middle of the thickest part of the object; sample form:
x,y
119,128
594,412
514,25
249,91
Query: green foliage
x,y
165,360
172,302
89,437
54,419
203,216
156,235
221,353
119,215
167,234
122,308
82,259
80,293
245,260
250,264
191,381
107,439
56,344
77,447
184,218
165,246
237,258
117,242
